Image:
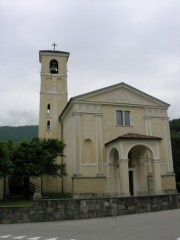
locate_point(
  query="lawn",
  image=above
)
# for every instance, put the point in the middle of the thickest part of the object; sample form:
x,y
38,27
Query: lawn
x,y
16,203
19,201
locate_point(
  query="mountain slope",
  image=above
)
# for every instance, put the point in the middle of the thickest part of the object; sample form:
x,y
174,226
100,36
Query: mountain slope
x,y
18,134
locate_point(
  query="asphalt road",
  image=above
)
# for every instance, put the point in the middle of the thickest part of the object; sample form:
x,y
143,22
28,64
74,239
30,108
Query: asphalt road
x,y
163,225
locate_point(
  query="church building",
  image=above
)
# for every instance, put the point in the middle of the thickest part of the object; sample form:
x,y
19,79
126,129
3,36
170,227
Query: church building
x,y
117,138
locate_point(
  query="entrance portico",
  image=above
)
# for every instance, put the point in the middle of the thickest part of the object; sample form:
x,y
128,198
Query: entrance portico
x,y
134,165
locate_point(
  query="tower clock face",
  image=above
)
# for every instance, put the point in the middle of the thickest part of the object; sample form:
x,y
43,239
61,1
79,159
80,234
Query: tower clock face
x,y
53,66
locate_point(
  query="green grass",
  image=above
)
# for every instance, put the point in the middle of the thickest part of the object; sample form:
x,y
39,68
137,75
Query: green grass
x,y
19,201
16,203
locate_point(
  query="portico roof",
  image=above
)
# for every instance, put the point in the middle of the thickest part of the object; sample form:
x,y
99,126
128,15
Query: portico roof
x,y
134,136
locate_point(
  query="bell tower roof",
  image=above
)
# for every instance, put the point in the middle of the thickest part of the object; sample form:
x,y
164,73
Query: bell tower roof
x,y
52,53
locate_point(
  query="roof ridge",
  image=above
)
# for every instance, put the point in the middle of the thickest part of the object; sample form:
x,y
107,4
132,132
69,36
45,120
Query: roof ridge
x,y
134,136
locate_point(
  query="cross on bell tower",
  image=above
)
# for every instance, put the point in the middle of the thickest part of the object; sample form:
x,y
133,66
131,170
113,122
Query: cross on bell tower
x,y
54,46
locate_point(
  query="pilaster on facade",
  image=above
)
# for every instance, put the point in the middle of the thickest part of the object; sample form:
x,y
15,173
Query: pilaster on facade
x,y
99,147
77,142
167,143
156,171
148,125
124,177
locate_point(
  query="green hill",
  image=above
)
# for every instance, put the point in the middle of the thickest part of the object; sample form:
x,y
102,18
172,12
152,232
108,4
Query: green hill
x,y
18,134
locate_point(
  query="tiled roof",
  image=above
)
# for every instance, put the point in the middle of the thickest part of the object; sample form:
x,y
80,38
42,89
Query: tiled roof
x,y
134,136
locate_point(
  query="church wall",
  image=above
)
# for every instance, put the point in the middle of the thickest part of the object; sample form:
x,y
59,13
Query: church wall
x,y
157,125
110,128
51,185
81,134
89,185
88,138
164,168
157,130
160,127
168,183
89,170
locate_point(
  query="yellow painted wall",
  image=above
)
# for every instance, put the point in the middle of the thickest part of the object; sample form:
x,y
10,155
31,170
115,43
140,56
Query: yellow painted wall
x,y
88,185
168,182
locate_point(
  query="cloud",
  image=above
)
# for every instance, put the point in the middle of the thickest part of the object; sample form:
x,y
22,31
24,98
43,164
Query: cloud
x,y
109,41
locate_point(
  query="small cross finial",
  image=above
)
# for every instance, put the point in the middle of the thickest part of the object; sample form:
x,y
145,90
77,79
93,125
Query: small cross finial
x,y
54,45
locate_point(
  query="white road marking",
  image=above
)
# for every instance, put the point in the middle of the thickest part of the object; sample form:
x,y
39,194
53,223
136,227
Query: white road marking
x,y
6,236
19,237
51,239
178,238
34,238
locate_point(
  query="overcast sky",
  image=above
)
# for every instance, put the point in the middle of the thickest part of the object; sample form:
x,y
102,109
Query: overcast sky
x,y
110,41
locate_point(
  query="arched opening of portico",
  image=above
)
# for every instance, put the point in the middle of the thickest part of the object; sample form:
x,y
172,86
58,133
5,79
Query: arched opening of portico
x,y
140,172
134,168
114,183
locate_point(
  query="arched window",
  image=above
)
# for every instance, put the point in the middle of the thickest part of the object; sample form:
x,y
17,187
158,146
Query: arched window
x,y
48,125
88,151
53,66
48,108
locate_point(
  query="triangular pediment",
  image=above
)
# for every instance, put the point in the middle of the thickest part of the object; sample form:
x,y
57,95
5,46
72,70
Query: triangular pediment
x,y
121,94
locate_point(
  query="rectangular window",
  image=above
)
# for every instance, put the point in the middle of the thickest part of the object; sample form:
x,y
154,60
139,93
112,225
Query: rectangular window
x,y
127,118
123,118
119,117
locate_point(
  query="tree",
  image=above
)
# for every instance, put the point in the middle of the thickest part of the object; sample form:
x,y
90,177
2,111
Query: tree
x,y
175,141
6,165
37,158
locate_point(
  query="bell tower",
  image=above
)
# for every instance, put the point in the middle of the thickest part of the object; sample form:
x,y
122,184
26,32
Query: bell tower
x,y
53,91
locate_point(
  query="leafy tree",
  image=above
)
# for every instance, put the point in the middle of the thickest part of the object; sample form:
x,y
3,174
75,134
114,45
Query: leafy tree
x,y
175,141
6,166
175,126
37,158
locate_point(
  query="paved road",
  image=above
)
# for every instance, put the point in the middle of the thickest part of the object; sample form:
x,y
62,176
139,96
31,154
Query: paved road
x,y
163,225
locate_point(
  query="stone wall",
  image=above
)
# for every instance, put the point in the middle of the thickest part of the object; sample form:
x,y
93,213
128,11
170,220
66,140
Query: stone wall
x,y
58,210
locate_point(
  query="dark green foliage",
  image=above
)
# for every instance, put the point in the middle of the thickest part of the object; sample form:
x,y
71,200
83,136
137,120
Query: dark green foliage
x,y
175,126
37,158
6,164
6,153
17,134
33,158
175,141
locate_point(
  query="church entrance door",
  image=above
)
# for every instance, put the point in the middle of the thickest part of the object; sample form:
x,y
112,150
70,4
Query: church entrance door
x,y
131,182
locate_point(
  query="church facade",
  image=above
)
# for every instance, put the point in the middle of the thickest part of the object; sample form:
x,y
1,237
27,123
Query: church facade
x,y
117,138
